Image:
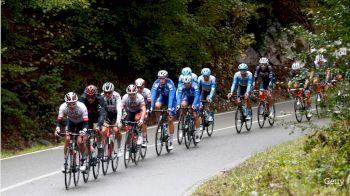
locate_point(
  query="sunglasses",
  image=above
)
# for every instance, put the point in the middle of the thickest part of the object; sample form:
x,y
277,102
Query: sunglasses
x,y
71,104
108,93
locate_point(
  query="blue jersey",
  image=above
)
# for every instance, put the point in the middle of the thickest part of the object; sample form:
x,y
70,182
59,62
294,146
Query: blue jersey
x,y
242,81
168,91
191,92
208,86
194,79
266,76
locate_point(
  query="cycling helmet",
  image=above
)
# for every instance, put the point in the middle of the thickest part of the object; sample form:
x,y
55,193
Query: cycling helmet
x,y
264,60
162,74
131,89
242,66
70,97
296,66
186,71
206,72
91,90
108,87
139,82
187,79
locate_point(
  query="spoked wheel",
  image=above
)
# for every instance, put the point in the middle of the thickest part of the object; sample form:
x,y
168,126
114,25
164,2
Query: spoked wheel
x,y
238,120
135,155
159,139
180,125
143,150
187,134
298,109
86,173
193,133
114,155
248,123
96,162
261,114
68,165
127,150
76,164
272,120
105,159
203,124
320,106
166,138
210,126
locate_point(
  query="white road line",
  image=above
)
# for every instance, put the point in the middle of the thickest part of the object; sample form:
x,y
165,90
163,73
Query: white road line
x,y
57,172
60,147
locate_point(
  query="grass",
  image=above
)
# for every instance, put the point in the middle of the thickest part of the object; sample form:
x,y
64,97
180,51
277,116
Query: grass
x,y
7,153
282,170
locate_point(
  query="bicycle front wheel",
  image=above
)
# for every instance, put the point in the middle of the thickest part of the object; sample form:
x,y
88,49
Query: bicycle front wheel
x,y
180,126
114,155
68,165
127,150
187,134
298,109
203,124
261,114
210,126
76,164
272,120
86,173
159,139
238,120
143,150
105,159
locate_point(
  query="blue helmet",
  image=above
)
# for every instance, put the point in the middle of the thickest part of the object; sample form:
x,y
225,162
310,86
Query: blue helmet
x,y
186,71
187,79
206,72
243,66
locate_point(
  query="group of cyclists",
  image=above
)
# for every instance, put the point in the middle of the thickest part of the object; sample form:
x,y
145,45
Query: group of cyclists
x,y
94,110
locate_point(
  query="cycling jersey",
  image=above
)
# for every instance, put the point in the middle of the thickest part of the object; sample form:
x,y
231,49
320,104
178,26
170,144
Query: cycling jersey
x,y
77,118
207,86
113,108
146,93
189,95
299,77
266,76
96,110
133,105
166,94
239,80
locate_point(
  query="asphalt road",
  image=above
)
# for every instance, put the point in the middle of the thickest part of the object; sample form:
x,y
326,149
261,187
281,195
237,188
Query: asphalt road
x,y
174,173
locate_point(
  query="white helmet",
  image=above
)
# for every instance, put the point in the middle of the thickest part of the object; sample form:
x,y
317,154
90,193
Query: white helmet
x,y
206,72
186,71
242,66
296,66
70,97
187,79
139,82
264,60
131,89
162,74
320,57
108,87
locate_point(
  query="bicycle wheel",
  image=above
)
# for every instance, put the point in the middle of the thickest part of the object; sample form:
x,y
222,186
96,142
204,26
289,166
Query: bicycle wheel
x,y
210,126
127,150
272,120
193,133
135,149
105,158
261,114
298,108
203,123
95,163
114,155
180,125
86,173
238,119
187,134
159,139
76,164
143,150
68,165
248,123
320,106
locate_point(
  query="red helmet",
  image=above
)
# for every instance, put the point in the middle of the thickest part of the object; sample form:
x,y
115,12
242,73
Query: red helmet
x,y
131,89
91,90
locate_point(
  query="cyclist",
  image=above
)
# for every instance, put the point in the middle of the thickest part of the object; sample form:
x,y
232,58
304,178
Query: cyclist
x,y
113,106
264,71
208,84
134,107
243,80
320,72
299,76
96,111
189,95
77,120
146,93
165,88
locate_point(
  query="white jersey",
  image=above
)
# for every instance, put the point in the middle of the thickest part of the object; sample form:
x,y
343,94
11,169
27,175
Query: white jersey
x,y
133,105
207,85
80,114
146,93
114,104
